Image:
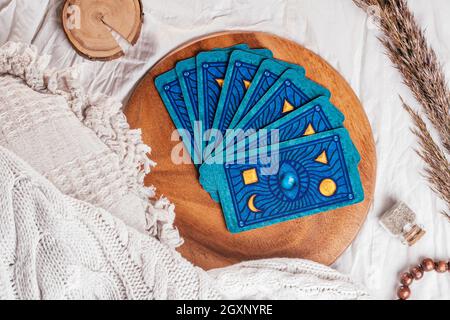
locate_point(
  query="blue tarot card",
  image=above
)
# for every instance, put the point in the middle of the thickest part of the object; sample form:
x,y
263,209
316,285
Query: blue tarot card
x,y
266,76
211,69
169,89
290,92
319,115
187,75
293,179
242,67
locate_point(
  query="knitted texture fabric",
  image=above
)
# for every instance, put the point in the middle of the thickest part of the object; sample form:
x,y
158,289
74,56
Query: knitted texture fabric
x,y
55,247
285,279
80,143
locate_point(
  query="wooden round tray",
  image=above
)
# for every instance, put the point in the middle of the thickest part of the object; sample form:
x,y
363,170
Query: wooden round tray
x,y
208,244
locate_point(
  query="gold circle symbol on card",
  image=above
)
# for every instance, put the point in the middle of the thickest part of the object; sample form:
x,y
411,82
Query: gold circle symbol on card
x,y
208,244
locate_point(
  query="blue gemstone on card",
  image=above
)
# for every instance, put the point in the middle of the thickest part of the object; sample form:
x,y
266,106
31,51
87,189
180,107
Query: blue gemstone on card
x,y
288,181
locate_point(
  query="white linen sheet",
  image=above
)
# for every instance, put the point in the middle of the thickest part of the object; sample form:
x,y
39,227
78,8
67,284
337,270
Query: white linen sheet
x,y
342,34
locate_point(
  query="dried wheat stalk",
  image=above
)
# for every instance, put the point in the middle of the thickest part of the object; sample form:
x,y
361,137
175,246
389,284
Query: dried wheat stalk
x,y
417,62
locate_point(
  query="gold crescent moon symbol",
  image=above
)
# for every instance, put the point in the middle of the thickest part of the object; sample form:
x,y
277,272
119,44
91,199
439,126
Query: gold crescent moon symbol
x,y
251,204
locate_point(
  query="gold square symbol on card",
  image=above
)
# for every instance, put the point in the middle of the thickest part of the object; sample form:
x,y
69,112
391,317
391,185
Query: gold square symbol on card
x,y
250,176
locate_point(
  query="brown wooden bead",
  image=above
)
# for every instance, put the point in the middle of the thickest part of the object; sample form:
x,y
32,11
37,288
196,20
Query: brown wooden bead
x,y
427,265
416,272
403,292
441,266
406,279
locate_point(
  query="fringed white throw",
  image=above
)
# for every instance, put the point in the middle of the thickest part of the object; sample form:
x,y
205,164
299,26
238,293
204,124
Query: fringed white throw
x,y
81,144
53,246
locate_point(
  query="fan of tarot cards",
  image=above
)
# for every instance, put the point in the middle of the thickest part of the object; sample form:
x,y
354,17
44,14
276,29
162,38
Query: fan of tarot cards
x,y
266,140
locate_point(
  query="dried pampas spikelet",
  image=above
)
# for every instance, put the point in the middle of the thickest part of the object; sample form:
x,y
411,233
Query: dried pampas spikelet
x,y
408,49
417,62
438,168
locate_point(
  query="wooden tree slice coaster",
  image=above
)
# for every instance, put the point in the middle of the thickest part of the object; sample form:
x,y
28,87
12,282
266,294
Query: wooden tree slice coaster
x,y
208,244
88,25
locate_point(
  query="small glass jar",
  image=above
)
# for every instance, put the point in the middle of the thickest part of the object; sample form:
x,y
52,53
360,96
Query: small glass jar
x,y
400,221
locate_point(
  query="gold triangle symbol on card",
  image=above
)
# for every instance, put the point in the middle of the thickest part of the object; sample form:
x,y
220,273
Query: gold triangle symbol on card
x,y
287,107
247,84
322,158
309,130
219,82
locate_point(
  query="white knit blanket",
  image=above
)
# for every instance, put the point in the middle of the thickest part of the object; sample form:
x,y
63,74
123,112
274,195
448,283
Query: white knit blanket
x,y
55,247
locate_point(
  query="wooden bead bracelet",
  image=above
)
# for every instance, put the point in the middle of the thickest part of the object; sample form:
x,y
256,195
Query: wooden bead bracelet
x,y
417,272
